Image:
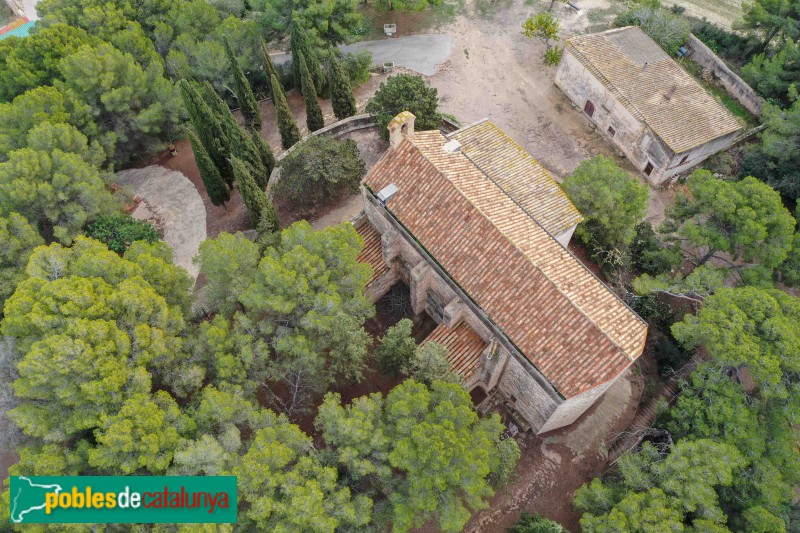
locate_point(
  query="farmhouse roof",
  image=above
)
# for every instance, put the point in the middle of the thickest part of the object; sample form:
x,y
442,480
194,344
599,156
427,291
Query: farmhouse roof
x,y
653,87
556,312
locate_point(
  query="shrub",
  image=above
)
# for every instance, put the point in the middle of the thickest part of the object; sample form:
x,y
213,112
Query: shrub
x,y
119,231
535,523
321,169
396,349
670,31
650,255
721,163
405,92
358,66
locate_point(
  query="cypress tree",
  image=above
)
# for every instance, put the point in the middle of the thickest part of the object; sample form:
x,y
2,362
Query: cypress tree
x,y
207,125
244,93
238,142
301,46
342,98
216,187
290,135
269,68
242,148
267,157
255,199
314,118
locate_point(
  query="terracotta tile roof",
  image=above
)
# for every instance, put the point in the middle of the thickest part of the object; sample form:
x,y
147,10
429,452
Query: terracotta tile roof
x,y
515,171
464,347
372,253
688,118
565,320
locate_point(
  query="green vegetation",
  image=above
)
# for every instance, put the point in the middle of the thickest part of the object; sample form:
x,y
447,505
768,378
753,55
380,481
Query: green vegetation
x,y
370,440
244,93
19,239
119,231
396,349
342,98
290,135
301,47
535,523
314,118
610,200
216,187
405,92
321,169
667,29
544,27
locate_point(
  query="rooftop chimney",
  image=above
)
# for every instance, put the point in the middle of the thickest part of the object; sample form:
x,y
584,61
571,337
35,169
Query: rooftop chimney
x,y
671,92
452,146
400,128
385,194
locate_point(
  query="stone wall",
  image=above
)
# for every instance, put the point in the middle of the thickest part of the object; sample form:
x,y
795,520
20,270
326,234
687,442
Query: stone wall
x,y
736,86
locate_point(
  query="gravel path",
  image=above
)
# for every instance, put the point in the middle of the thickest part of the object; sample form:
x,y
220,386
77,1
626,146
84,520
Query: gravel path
x,y
177,206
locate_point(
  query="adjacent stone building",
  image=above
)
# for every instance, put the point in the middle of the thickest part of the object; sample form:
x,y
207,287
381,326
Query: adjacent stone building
x,y
650,108
478,231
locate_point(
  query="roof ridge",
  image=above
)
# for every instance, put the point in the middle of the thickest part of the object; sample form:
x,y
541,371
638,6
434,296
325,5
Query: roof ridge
x,y
465,128
528,258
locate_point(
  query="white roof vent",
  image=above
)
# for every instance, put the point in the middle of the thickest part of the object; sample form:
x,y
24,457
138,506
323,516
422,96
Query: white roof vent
x,y
452,147
385,194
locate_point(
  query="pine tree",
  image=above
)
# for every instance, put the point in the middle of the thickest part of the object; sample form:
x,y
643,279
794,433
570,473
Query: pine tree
x,y
207,125
314,118
255,199
290,135
342,98
267,157
244,93
216,187
269,68
301,46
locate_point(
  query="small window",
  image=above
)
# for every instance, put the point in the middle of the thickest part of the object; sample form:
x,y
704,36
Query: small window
x,y
612,131
648,169
684,160
589,108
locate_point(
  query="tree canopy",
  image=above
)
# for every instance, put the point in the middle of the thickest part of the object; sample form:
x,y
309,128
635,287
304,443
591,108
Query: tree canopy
x,y
405,92
611,201
371,438
321,169
744,219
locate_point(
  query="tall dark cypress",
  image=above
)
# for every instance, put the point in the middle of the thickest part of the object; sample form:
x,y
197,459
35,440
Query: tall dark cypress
x,y
207,125
242,147
342,98
267,157
314,118
216,187
269,68
301,46
239,143
244,93
253,196
290,135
